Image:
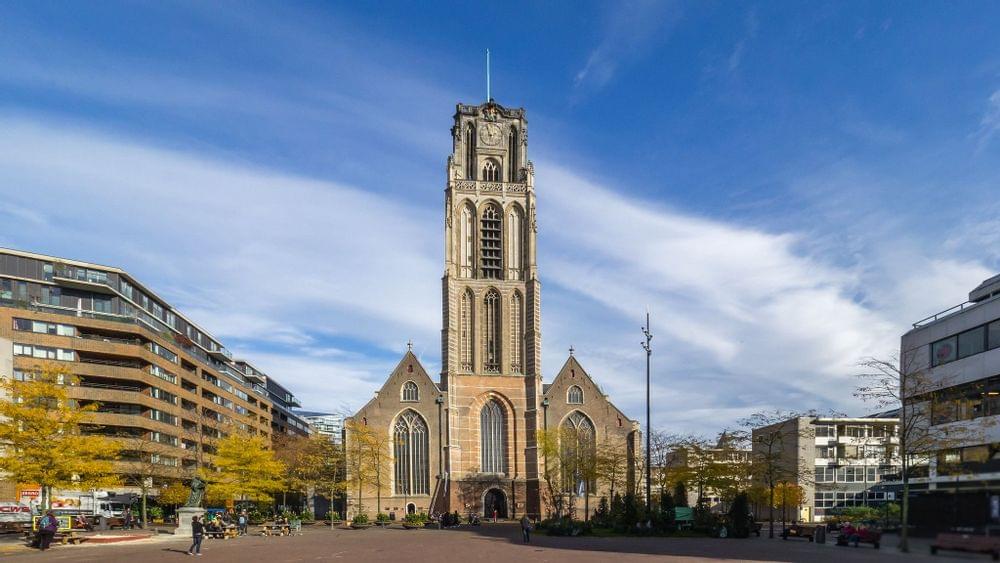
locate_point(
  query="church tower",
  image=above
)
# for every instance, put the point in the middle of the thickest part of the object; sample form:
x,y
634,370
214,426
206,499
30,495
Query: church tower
x,y
490,339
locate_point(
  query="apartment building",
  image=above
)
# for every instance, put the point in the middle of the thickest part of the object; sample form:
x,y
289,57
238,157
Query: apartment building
x,y
726,450
162,384
324,423
837,461
952,362
284,420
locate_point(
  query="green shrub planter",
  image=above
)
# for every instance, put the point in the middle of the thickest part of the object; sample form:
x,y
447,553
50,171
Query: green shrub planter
x,y
361,526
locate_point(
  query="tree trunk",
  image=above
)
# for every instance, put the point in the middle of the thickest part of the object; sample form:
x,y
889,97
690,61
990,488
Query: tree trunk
x,y
46,497
770,512
904,517
586,502
145,494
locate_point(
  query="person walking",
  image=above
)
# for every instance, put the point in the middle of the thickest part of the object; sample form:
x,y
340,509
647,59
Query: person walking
x,y
526,528
197,533
243,523
127,518
47,527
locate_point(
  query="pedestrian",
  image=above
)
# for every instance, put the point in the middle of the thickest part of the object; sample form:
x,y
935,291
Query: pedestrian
x,y
127,517
47,527
526,528
197,533
243,523
494,516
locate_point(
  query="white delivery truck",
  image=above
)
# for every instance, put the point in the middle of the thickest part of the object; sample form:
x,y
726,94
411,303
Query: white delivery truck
x,y
93,504
15,516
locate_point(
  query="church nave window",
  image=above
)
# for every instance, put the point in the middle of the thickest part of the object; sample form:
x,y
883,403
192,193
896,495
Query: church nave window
x,y
410,391
411,463
493,438
491,332
491,171
490,247
578,444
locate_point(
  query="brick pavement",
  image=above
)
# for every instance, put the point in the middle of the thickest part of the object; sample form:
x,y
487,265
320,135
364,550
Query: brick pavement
x,y
486,543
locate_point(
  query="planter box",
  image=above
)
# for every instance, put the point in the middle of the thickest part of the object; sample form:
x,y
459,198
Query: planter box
x,y
360,526
409,526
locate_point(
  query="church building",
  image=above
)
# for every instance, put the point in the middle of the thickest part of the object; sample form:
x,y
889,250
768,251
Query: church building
x,y
467,442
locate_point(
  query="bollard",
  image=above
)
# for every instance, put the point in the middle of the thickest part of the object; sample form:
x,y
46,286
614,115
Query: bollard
x,y
819,536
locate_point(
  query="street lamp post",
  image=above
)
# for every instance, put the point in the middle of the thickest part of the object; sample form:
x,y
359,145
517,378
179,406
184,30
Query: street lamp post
x,y
649,352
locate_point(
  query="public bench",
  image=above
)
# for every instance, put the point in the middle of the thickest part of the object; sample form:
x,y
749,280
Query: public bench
x,y
797,531
968,543
62,537
222,534
873,537
275,530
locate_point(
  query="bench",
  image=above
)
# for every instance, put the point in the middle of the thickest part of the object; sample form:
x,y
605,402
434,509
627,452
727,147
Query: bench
x,y
864,536
224,534
62,538
276,530
968,543
796,531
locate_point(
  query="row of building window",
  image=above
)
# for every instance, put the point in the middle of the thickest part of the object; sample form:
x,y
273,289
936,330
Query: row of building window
x,y
964,402
44,352
163,374
853,474
162,395
837,499
492,332
44,328
163,352
965,344
865,451
982,458
855,430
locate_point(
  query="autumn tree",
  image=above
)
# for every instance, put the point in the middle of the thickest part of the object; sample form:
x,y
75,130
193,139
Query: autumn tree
x,y
905,382
292,452
548,447
788,495
146,464
41,439
245,468
174,494
366,460
611,463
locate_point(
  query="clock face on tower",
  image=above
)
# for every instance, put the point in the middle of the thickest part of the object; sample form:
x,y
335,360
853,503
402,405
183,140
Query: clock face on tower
x,y
489,134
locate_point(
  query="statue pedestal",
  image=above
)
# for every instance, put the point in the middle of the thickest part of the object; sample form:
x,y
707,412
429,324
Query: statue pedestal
x,y
184,515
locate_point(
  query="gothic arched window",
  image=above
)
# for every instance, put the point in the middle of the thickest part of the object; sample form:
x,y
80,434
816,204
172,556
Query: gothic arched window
x,y
516,333
493,438
410,391
466,227
491,332
575,395
470,152
465,331
491,242
512,155
515,250
412,464
578,442
491,171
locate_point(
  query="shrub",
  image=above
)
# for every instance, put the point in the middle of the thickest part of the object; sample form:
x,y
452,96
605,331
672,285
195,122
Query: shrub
x,y
602,516
704,520
420,518
680,494
565,527
307,515
382,517
360,519
154,511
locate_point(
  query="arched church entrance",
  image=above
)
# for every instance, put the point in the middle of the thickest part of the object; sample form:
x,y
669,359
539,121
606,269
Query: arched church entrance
x,y
495,499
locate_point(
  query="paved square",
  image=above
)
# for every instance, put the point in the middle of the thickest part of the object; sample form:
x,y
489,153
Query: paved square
x,y
499,542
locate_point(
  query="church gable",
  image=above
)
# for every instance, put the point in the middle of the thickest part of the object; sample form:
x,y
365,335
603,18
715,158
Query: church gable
x,y
574,389
407,386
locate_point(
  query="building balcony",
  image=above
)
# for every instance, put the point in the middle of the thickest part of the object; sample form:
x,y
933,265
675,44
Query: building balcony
x,y
475,186
80,278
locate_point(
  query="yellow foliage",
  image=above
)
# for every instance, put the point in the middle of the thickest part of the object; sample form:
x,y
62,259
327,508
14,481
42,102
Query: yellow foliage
x,y
176,493
41,434
246,468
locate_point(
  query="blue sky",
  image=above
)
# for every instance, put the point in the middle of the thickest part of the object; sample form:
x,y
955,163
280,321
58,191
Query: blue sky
x,y
787,186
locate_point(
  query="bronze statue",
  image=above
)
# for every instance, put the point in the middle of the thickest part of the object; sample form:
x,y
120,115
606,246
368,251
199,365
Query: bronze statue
x,y
197,492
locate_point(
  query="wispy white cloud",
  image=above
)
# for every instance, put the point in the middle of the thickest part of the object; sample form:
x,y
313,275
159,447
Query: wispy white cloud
x,y
631,29
989,125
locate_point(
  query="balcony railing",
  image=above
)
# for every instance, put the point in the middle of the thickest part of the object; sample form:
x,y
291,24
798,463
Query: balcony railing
x,y
490,187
